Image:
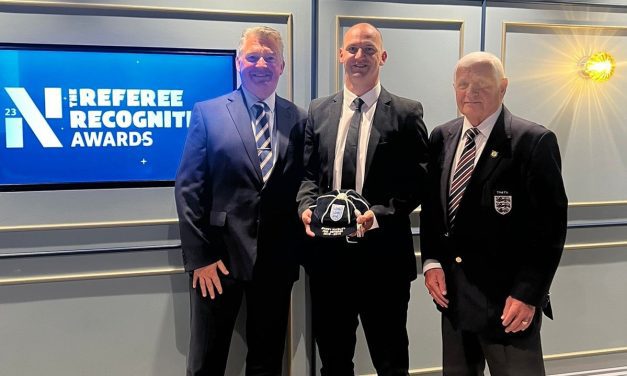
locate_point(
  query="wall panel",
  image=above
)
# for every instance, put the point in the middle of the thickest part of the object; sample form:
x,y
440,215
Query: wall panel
x,y
542,45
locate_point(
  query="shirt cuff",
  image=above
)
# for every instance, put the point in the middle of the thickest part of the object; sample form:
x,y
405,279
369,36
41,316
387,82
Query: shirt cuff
x,y
375,223
430,264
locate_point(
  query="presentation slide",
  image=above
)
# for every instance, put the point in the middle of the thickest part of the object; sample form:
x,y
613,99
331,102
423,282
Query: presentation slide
x,y
89,117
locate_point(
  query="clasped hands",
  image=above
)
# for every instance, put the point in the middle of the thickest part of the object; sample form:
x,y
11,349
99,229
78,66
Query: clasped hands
x,y
516,317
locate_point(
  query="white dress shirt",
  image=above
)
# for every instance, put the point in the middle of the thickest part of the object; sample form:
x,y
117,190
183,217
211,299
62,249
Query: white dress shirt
x,y
348,109
368,108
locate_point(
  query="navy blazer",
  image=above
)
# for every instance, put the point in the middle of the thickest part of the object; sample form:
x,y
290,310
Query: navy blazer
x,y
395,172
225,210
510,227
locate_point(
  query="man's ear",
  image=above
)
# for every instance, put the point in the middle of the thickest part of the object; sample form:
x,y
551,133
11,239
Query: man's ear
x,y
282,66
384,57
503,88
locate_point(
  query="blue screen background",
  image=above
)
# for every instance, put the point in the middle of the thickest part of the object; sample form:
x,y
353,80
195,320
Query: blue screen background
x,y
201,76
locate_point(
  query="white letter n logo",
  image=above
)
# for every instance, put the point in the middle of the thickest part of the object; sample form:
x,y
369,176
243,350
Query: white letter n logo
x,y
34,118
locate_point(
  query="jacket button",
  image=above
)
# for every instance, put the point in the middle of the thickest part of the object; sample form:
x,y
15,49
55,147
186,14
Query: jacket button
x,y
458,260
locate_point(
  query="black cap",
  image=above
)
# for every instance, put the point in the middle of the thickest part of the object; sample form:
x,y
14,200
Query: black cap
x,y
335,213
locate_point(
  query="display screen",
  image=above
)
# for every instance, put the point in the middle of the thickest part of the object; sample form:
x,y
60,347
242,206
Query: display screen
x,y
89,117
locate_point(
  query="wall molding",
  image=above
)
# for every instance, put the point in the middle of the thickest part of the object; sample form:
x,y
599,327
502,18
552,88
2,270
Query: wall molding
x,y
558,356
84,276
407,23
88,225
554,27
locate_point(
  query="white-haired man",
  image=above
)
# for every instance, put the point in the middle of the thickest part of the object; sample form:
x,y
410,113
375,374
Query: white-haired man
x,y
492,228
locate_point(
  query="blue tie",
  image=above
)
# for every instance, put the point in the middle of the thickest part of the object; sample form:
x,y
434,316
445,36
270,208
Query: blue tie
x,y
263,138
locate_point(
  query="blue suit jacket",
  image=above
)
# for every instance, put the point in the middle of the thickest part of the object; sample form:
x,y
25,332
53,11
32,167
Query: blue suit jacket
x,y
225,210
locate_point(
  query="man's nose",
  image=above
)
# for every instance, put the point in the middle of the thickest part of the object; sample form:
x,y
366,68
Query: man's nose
x,y
359,53
262,62
473,90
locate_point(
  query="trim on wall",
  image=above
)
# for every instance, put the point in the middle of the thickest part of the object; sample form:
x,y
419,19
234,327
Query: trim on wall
x,y
315,26
484,6
142,11
597,203
579,246
581,354
73,252
342,20
559,356
87,225
581,204
566,2
68,277
508,26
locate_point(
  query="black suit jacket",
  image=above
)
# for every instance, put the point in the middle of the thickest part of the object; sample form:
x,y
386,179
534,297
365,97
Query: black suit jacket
x,y
395,172
225,210
510,227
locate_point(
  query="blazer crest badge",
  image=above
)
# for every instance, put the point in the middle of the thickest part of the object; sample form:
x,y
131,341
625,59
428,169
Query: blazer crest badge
x,y
503,202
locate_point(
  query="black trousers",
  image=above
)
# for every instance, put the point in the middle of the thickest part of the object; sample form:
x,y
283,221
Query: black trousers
x,y
518,354
212,323
346,288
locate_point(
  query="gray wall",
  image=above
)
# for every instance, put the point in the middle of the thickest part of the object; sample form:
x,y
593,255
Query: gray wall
x,y
126,312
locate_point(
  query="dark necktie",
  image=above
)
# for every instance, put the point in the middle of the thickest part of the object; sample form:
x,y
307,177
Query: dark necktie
x,y
263,139
463,172
351,148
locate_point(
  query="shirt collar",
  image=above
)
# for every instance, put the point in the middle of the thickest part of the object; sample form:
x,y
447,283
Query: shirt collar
x,y
485,127
251,99
369,98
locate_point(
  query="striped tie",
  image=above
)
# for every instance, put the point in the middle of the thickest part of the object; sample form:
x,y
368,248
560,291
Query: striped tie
x,y
262,137
463,172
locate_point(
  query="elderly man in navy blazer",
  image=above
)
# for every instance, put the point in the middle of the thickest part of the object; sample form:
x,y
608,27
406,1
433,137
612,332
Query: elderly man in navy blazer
x,y
492,228
236,199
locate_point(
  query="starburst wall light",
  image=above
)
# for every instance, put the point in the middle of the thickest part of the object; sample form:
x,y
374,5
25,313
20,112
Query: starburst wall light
x,y
598,67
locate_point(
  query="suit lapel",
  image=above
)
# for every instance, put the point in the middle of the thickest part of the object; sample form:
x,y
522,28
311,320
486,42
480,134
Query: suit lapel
x,y
241,119
284,123
451,139
332,123
497,147
380,119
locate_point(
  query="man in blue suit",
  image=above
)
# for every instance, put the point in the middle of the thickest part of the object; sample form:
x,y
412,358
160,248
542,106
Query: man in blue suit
x,y
235,196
